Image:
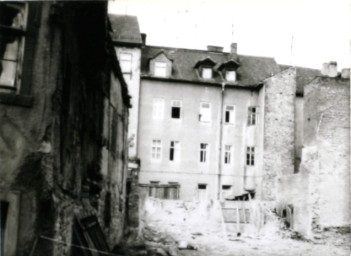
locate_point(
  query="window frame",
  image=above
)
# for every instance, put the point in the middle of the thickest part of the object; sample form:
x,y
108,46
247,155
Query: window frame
x,y
252,116
173,105
228,155
158,108
22,97
227,72
154,151
231,117
175,149
250,156
204,153
121,61
201,118
157,67
203,72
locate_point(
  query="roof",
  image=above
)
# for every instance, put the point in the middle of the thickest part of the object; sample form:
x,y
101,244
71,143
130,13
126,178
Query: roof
x,y
303,76
251,72
125,29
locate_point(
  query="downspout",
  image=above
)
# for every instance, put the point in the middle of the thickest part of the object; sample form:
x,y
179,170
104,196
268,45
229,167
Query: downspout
x,y
220,143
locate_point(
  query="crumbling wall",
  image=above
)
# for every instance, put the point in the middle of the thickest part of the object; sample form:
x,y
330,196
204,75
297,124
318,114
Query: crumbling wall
x,y
327,127
279,118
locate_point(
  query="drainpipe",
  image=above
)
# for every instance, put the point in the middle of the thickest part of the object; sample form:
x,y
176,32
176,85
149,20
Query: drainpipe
x,y
220,143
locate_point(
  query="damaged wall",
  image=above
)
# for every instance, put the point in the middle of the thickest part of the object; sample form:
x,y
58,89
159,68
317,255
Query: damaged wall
x,y
279,122
51,149
327,127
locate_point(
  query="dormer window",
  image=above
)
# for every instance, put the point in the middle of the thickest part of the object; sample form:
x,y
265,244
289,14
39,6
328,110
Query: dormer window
x,y
229,70
206,73
160,65
230,75
160,69
204,68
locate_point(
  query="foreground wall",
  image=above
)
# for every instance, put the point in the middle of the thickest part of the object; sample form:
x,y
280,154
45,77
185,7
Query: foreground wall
x,y
52,137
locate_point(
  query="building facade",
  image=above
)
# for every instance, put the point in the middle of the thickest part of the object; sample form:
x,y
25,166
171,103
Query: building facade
x,y
63,130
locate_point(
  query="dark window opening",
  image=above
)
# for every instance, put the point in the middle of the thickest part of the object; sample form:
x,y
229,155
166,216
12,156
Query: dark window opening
x,y
226,187
202,186
227,116
176,112
107,213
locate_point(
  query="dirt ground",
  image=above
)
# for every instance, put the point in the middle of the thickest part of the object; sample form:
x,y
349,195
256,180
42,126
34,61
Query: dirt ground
x,y
208,246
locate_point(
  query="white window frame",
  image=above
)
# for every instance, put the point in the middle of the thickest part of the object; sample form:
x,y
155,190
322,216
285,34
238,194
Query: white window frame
x,y
228,154
158,105
126,62
160,68
250,156
231,114
204,153
176,103
156,150
175,146
203,116
206,72
230,75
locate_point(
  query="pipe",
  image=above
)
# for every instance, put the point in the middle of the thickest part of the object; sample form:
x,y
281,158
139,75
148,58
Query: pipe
x,y
220,143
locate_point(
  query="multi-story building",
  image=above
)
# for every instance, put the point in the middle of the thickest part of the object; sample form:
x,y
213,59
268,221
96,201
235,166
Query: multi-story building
x,y
63,130
203,118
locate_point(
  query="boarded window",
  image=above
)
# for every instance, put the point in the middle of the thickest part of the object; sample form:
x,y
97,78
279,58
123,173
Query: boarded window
x,y
230,75
157,108
207,73
160,69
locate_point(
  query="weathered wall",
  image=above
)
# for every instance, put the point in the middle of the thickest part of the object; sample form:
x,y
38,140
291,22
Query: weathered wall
x,y
133,88
279,130
327,127
51,151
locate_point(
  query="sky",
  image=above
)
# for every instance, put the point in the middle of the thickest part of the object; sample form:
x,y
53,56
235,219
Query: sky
x,y
297,32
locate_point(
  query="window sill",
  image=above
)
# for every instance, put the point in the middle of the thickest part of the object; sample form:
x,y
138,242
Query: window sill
x,y
16,100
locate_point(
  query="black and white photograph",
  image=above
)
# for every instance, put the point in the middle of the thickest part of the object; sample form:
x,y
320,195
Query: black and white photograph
x,y
175,128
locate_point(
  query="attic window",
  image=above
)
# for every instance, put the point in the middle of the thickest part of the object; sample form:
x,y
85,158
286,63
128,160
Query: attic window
x,y
160,69
206,73
230,75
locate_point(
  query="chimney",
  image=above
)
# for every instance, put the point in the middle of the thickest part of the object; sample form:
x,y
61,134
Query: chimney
x,y
325,69
333,69
143,38
234,48
345,73
212,48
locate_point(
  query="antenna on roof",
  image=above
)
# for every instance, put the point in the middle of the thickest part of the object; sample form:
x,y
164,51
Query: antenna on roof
x,y
291,50
232,32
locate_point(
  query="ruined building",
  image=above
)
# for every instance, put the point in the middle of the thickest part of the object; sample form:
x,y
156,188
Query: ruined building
x,y
63,130
219,125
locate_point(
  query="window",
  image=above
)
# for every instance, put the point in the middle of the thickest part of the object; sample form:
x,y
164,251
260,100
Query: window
x,y
226,191
176,109
160,69
203,152
227,154
205,112
157,108
207,73
202,192
250,156
113,142
126,65
156,150
13,25
174,151
251,116
229,115
230,75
